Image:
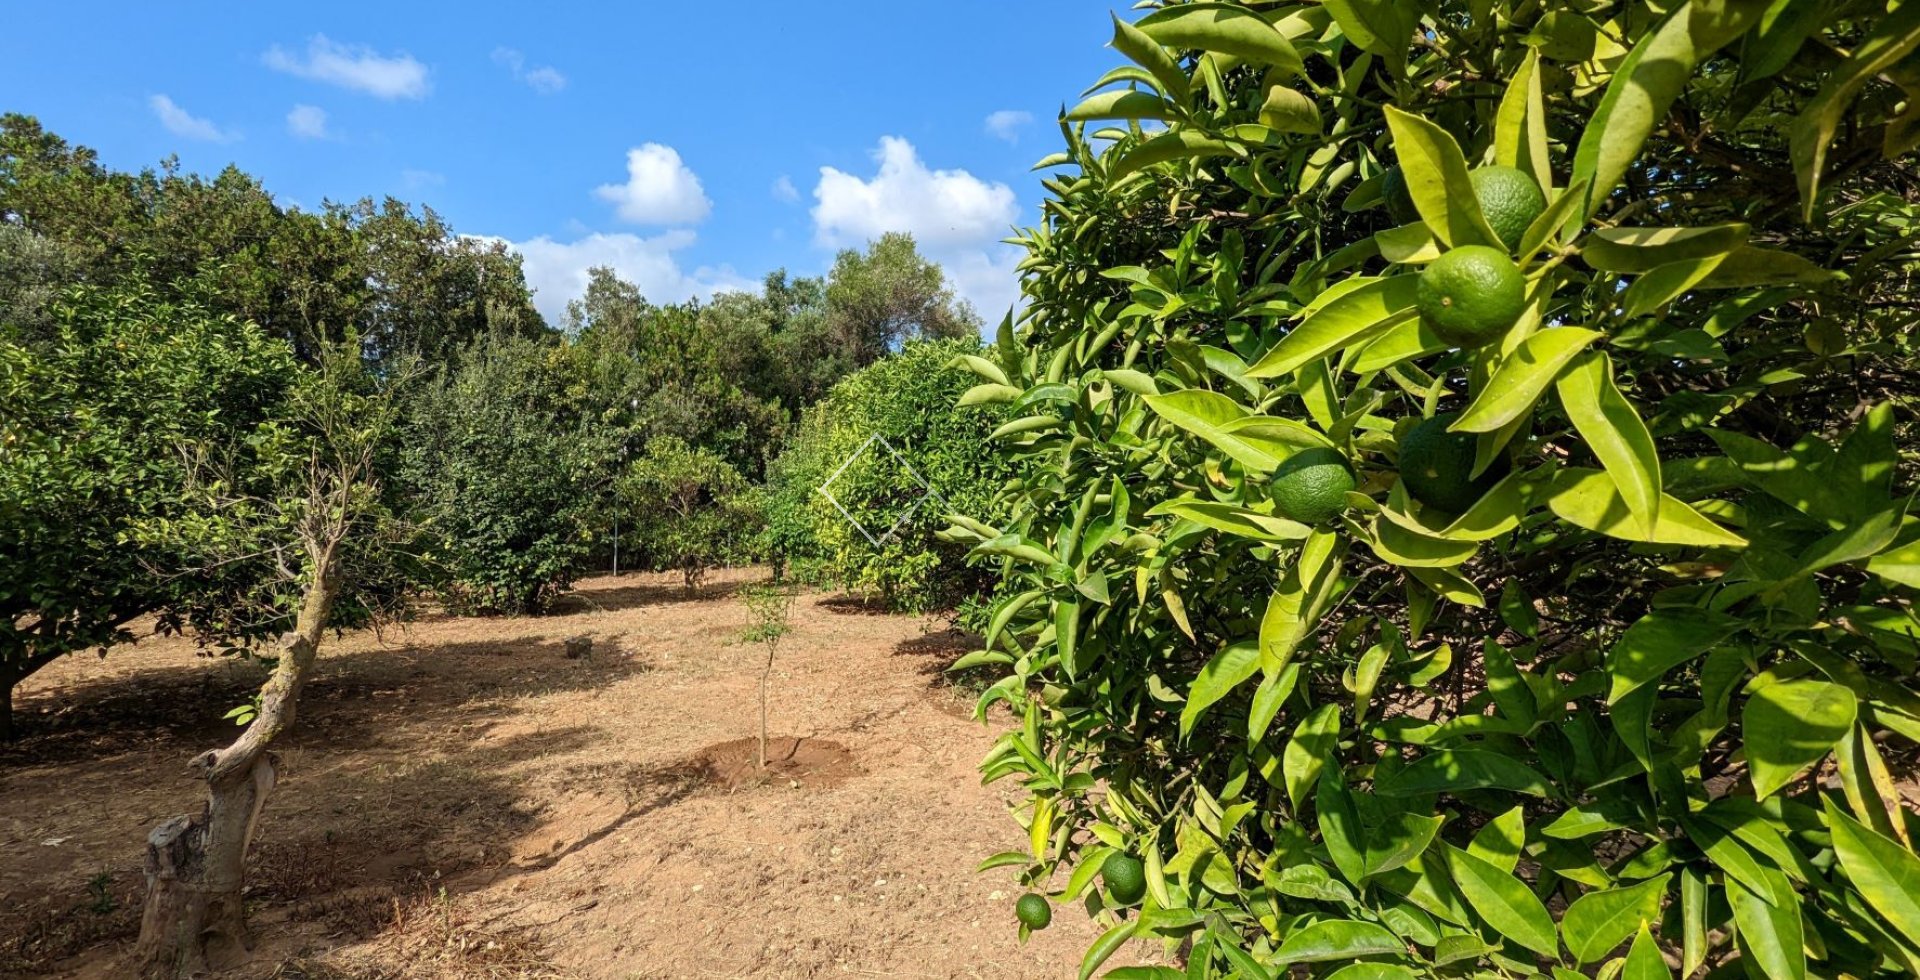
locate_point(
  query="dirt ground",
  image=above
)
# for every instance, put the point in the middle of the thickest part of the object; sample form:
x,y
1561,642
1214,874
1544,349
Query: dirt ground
x,y
461,799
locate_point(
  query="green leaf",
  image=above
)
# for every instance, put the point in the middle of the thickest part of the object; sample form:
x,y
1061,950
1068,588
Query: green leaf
x,y
1408,244
1665,283
1244,966
1588,498
1288,111
1339,823
1522,376
1066,633
1408,339
987,394
1207,414
1233,520
1374,971
1449,585
1382,27
1510,691
1147,53
1602,919
1772,935
1436,174
1123,104
1713,23
1405,547
1500,842
982,367
1887,874
1637,99
1790,725
1108,944
1752,266
1463,770
1224,672
1268,698
1635,250
1338,939
1504,902
1004,859
1313,740
1644,961
1810,136
1358,312
1223,27
1554,218
1179,144
1520,125
1660,641
1391,843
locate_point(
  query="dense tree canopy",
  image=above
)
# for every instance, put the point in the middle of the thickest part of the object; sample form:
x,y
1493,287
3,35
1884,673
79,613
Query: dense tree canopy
x,y
1606,663
152,321
401,281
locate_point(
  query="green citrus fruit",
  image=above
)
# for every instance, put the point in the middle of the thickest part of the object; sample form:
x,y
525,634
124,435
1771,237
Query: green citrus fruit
x,y
1510,199
1311,485
1033,911
1436,466
1470,295
1126,877
1393,190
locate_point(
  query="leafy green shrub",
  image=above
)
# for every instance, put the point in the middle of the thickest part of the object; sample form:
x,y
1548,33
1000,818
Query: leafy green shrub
x,y
908,401
691,510
101,407
1648,698
503,456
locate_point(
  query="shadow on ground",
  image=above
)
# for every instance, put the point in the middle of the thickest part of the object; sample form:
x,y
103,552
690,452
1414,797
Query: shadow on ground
x,y
397,781
609,597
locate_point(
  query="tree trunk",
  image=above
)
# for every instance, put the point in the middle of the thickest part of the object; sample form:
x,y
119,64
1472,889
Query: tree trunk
x,y
10,676
195,916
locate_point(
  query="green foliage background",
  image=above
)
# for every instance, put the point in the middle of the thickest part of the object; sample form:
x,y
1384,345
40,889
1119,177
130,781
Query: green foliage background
x,y
908,400
1648,700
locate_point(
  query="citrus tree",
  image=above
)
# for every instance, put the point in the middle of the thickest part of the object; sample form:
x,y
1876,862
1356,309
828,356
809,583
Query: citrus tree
x,y
690,509
888,445
1463,526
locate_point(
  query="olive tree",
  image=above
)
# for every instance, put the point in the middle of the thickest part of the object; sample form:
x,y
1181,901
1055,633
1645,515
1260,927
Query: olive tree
x,y
1606,662
314,507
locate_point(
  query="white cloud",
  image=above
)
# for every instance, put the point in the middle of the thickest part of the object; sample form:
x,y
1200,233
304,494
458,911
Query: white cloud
x,y
956,219
416,179
987,278
544,79
184,124
354,66
941,208
1007,123
308,122
557,271
660,190
784,191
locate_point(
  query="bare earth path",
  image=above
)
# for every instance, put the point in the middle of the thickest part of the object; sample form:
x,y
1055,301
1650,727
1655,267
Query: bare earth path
x,y
462,800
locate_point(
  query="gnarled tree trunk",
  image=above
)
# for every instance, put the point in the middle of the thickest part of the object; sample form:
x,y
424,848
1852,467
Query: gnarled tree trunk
x,y
195,917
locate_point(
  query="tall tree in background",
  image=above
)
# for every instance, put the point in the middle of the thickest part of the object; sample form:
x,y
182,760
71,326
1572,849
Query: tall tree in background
x,y
400,280
878,299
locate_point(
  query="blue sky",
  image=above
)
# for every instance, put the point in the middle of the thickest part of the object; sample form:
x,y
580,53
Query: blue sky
x,y
693,146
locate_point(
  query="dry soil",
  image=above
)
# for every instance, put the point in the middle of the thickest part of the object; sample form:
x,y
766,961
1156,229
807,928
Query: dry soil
x,y
459,798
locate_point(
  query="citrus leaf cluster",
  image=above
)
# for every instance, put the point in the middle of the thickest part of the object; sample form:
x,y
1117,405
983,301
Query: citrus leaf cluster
x,y
1599,320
